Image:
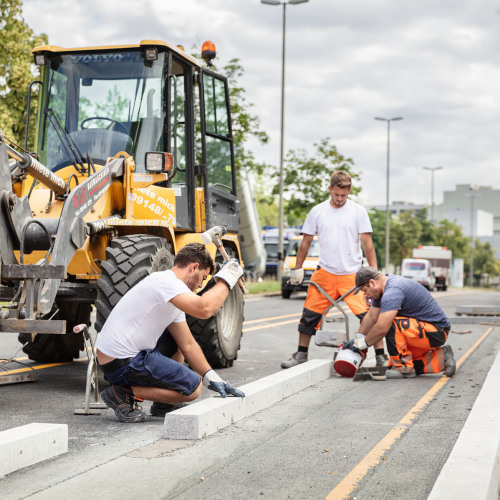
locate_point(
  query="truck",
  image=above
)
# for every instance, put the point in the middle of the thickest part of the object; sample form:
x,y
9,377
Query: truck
x,y
133,159
440,259
419,270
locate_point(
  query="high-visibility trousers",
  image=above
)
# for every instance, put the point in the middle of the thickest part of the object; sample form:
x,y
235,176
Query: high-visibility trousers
x,y
316,303
415,345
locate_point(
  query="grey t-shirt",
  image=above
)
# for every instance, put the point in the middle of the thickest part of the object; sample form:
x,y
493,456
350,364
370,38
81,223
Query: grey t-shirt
x,y
411,300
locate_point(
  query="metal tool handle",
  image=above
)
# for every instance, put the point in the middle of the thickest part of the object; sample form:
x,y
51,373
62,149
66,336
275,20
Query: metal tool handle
x,y
225,256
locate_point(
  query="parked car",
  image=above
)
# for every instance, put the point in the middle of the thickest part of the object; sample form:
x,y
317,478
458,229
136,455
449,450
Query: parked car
x,y
309,266
270,236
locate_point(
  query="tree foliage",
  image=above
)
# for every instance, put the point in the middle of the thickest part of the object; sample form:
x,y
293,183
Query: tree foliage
x,y
17,70
306,178
408,231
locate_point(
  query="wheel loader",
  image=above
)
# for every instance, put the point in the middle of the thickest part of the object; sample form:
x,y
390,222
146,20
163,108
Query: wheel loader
x,y
133,159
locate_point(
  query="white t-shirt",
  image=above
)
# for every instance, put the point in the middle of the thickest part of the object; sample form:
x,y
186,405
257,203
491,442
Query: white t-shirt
x,y
338,231
139,319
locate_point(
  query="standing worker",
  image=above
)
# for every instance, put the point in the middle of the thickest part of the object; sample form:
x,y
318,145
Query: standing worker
x,y
128,351
340,224
413,324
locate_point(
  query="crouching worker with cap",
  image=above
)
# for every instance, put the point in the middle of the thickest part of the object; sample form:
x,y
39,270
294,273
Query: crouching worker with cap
x,y
142,346
413,324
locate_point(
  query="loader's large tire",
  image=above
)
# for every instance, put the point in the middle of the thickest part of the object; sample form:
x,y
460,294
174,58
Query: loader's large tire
x,y
220,335
129,260
59,348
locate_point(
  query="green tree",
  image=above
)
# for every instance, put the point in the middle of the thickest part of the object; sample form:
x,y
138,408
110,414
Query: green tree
x,y
17,70
449,235
307,177
405,235
245,124
484,260
377,219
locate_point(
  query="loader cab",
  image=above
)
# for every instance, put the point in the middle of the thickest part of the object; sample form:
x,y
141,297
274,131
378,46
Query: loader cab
x,y
98,102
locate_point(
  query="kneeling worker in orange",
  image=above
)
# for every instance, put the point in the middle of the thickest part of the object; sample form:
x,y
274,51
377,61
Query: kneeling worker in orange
x,y
414,326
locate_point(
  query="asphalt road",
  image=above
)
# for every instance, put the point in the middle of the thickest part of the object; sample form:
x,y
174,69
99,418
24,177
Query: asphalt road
x,y
347,439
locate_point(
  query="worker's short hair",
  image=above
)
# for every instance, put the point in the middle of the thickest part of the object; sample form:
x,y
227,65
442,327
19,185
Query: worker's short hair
x,y
341,179
194,253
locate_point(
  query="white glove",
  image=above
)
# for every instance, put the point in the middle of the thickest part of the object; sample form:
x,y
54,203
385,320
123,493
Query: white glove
x,y
213,382
211,376
230,273
360,343
355,345
296,276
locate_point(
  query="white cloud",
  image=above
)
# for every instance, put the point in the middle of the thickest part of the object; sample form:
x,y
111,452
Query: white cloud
x,y
437,64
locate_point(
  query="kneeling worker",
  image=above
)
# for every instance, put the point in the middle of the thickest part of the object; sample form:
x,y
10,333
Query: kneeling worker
x,y
414,326
128,352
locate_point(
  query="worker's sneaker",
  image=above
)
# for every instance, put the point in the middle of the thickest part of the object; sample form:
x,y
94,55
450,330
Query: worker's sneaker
x,y
124,404
161,409
396,374
296,359
449,361
381,359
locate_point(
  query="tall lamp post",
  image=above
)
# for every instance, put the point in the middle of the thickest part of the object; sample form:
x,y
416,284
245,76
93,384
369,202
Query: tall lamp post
x,y
388,120
432,169
471,272
282,128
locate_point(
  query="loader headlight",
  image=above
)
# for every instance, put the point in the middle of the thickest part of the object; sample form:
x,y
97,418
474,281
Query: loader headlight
x,y
40,59
158,162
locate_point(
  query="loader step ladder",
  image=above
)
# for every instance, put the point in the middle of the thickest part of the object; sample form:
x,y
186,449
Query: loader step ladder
x,y
92,376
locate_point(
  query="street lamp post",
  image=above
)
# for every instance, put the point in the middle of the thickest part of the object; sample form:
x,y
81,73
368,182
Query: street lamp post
x,y
388,120
471,269
432,169
282,130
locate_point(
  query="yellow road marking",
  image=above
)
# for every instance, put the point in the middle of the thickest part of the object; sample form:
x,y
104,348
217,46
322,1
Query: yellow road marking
x,y
374,457
263,322
252,321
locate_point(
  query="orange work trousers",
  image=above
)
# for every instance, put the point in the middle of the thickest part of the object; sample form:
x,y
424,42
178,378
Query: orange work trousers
x,y
415,345
316,303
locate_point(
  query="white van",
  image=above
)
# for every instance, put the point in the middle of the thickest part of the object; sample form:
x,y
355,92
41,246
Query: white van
x,y
419,270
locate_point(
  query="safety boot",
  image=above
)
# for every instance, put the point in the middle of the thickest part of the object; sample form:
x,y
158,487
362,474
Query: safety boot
x,y
396,374
296,359
449,361
381,359
161,409
124,404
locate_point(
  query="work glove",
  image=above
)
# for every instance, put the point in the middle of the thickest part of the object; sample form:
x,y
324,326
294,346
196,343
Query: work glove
x,y
230,273
296,276
356,345
213,382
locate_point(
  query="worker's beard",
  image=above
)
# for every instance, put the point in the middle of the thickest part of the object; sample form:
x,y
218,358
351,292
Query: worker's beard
x,y
193,282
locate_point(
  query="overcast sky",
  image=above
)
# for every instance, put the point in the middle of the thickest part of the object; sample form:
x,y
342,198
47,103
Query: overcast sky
x,y
435,63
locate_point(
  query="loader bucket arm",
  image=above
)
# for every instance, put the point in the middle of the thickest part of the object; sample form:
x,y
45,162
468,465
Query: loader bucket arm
x,y
72,232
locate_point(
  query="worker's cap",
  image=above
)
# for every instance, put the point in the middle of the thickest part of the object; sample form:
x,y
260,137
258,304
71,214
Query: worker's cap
x,y
363,276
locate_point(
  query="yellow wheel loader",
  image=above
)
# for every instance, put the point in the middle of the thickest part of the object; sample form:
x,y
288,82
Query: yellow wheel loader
x,y
134,159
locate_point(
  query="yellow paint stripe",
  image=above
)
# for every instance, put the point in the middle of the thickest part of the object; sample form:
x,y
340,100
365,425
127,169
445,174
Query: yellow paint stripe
x,y
374,457
263,323
252,321
267,325
37,367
